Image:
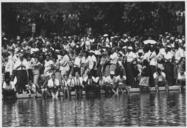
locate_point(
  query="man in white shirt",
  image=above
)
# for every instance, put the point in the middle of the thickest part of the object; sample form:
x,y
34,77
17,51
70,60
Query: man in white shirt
x,y
64,64
113,60
21,73
130,54
9,66
77,64
47,65
87,44
179,54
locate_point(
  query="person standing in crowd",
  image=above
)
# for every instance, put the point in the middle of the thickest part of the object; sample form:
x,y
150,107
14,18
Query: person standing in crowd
x,y
103,62
153,64
106,66
21,73
145,76
77,64
113,60
47,65
83,63
93,64
64,63
10,63
129,64
57,70
169,66
36,71
30,67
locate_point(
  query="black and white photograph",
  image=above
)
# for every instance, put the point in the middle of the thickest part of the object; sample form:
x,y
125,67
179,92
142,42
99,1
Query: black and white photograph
x,y
93,64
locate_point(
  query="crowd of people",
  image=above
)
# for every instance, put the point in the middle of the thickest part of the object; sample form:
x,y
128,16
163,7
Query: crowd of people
x,y
112,63
59,22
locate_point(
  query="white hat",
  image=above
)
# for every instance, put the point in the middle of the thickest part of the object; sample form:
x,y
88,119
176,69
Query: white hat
x,y
105,35
130,47
91,51
140,51
124,47
97,52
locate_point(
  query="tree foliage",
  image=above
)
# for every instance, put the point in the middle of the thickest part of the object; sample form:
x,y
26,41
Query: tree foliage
x,y
133,17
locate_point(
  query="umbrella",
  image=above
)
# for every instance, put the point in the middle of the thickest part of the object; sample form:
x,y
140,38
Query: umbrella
x,y
149,42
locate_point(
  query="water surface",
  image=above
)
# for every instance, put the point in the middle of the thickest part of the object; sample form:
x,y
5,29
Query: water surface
x,y
134,110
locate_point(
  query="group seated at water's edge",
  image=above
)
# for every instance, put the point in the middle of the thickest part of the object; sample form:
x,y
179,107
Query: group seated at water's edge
x,y
111,84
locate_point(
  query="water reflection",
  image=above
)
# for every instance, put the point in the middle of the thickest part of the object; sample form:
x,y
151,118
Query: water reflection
x,y
134,110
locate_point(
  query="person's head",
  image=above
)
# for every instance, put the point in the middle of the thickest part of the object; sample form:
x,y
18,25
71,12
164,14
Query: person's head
x,y
7,77
47,57
65,76
53,76
29,57
129,49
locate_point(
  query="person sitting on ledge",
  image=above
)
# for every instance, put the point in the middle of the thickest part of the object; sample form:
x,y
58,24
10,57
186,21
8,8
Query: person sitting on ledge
x,y
53,85
65,86
31,87
110,86
121,83
160,79
9,85
71,84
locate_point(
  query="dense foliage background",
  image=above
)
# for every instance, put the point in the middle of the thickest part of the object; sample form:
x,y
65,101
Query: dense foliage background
x,y
74,18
